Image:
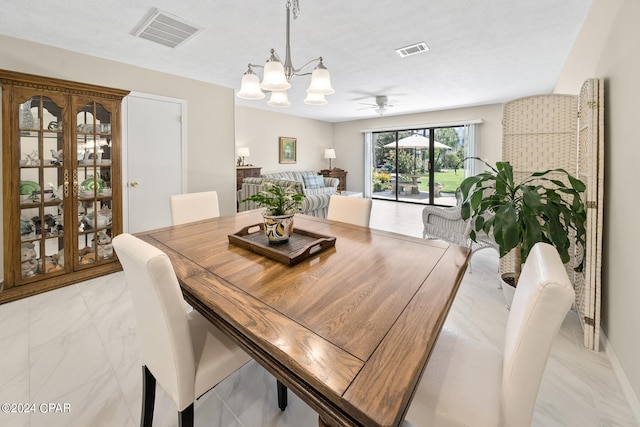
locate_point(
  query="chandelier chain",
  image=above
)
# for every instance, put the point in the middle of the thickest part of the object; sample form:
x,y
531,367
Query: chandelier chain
x,y
295,8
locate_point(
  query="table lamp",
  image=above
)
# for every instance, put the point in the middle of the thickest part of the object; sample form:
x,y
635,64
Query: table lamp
x,y
242,153
329,153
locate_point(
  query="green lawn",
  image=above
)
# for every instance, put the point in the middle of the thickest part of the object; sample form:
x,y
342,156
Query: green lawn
x,y
450,179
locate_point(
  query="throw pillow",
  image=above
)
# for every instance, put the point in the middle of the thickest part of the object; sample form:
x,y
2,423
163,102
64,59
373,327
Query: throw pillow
x,y
313,181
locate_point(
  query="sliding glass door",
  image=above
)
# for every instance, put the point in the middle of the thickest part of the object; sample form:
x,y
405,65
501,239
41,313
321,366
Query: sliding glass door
x,y
419,165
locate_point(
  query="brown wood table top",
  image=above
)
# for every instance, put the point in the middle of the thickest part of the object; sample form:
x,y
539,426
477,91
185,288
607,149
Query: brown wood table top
x,y
349,329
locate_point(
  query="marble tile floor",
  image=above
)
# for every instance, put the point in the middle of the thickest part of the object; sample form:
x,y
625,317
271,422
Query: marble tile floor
x,y
76,348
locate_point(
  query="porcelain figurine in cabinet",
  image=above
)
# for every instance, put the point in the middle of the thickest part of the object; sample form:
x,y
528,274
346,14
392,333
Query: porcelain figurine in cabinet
x,y
29,261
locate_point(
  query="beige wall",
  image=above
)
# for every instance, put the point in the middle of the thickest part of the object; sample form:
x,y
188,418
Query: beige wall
x,y
349,140
210,113
259,130
608,47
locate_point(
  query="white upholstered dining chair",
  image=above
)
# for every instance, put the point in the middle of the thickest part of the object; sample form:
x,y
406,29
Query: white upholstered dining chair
x,y
468,383
182,351
191,207
354,210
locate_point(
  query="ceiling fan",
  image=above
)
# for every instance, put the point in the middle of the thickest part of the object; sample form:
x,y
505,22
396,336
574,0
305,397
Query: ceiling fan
x,y
381,105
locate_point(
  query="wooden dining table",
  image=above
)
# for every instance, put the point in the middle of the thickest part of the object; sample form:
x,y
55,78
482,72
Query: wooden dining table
x,y
349,329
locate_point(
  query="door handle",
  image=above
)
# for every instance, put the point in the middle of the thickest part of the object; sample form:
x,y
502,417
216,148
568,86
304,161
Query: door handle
x,y
134,183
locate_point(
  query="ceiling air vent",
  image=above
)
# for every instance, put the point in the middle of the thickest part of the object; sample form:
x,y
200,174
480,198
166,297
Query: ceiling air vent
x,y
412,49
166,29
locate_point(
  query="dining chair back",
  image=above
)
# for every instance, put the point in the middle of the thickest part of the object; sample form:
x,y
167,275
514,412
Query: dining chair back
x,y
354,210
182,351
191,207
543,296
469,382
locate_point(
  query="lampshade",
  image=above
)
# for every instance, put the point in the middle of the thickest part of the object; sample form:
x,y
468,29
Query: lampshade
x,y
279,99
329,153
243,152
250,86
320,81
315,99
274,78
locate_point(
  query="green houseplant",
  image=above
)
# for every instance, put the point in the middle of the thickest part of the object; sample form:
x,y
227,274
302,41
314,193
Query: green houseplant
x,y
519,215
281,203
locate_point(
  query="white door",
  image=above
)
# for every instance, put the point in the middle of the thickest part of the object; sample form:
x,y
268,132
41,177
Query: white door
x,y
153,155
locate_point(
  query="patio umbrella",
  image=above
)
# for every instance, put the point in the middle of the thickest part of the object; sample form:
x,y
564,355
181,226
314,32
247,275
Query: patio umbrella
x,y
416,141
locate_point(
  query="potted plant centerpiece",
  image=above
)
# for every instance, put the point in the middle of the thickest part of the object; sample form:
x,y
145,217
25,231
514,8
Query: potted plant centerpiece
x,y
281,203
541,208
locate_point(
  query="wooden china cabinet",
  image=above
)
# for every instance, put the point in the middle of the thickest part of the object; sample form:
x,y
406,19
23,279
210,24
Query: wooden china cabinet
x,y
62,196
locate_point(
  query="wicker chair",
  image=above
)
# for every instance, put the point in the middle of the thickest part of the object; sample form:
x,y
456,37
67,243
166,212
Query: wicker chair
x,y
446,223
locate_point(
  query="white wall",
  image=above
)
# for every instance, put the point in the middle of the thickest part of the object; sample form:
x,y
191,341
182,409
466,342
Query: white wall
x,y
259,130
349,140
210,128
608,47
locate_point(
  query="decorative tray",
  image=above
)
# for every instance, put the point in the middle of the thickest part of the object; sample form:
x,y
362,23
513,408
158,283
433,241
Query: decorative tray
x,y
301,245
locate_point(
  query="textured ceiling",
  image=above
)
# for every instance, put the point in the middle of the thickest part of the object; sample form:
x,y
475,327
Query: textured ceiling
x,y
481,52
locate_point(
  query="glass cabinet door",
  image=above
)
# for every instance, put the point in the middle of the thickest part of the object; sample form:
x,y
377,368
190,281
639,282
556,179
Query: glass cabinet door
x,y
42,185
94,187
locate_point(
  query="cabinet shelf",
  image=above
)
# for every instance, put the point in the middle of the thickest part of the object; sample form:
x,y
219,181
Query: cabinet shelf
x,y
49,203
89,231
47,236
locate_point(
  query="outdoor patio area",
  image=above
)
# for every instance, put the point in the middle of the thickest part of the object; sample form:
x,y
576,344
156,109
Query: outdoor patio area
x,y
445,199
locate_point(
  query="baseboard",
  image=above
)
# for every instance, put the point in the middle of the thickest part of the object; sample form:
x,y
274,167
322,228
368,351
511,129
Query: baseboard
x,y
627,390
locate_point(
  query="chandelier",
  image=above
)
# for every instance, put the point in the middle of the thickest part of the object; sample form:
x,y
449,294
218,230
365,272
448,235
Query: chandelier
x,y
277,78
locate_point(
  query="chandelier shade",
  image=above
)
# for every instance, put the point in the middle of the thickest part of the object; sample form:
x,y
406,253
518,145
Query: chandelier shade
x,y
315,99
250,87
274,78
277,77
279,99
320,81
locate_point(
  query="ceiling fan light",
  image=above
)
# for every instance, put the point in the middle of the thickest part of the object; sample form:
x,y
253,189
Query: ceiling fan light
x,y
381,110
279,99
315,99
320,81
274,78
250,86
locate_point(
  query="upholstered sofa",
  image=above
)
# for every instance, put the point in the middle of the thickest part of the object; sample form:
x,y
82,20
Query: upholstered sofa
x,y
316,188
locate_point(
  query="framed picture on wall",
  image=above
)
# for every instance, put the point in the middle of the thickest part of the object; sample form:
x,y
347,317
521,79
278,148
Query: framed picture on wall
x,y
287,150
